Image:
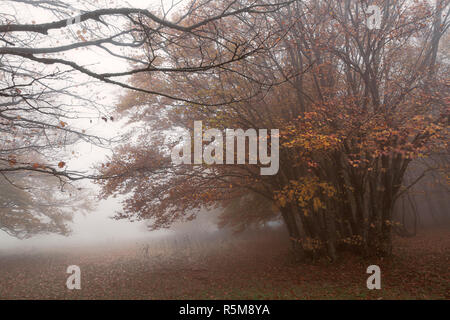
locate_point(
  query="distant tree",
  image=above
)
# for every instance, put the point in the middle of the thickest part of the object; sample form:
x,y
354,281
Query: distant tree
x,y
34,205
250,210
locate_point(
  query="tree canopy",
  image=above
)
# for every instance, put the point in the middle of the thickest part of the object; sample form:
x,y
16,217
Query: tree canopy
x,y
356,106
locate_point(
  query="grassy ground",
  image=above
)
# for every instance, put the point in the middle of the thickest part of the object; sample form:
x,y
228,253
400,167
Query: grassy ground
x,y
255,267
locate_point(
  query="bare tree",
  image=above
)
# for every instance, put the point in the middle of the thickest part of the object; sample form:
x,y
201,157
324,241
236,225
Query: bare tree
x,y
40,75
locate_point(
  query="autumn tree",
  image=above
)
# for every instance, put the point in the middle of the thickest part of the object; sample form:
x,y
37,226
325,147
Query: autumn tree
x,y
356,106
46,91
32,204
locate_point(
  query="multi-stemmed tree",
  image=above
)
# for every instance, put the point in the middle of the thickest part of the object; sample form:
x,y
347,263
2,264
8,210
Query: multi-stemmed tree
x,y
355,106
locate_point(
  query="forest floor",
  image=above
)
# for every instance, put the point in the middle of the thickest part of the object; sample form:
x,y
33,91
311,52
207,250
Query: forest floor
x,y
252,267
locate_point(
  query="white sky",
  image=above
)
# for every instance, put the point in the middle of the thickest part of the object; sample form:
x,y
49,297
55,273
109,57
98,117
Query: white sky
x,y
95,227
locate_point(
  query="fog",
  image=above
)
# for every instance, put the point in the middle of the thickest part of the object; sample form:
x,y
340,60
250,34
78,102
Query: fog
x,y
96,227
99,229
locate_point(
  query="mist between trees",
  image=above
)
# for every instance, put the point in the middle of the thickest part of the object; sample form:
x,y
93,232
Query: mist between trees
x,y
362,113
